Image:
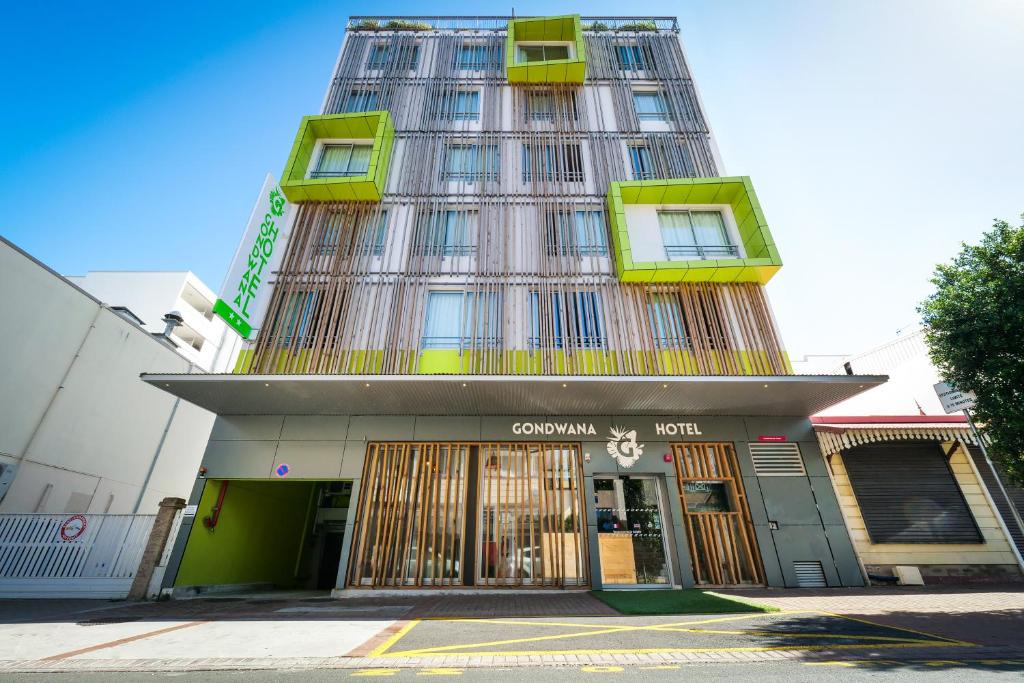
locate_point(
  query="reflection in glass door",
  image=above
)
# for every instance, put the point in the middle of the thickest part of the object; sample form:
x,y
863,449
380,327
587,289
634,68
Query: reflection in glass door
x,y
630,532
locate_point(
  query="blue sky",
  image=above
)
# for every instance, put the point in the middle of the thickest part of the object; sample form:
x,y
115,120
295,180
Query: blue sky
x,y
879,133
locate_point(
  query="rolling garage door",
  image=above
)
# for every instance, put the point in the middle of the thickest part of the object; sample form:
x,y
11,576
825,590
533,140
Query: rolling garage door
x,y
907,494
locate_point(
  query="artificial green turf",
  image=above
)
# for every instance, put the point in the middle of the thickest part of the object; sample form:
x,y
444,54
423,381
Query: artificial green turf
x,y
689,601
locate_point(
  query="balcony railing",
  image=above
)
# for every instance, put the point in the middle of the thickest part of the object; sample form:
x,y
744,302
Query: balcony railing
x,y
701,252
500,23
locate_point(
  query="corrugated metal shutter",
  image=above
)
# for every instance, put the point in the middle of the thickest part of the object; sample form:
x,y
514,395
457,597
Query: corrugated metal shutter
x,y
809,575
1015,493
907,494
777,460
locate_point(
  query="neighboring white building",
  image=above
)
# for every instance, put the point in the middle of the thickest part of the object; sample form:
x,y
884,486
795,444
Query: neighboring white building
x,y
79,431
203,338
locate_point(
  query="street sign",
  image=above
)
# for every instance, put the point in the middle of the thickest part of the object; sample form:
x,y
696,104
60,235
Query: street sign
x,y
953,400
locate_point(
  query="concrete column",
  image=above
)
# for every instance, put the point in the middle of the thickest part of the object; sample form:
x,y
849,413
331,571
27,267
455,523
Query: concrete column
x,y
155,546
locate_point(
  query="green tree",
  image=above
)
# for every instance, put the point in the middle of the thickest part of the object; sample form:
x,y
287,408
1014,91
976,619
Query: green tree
x,y
975,331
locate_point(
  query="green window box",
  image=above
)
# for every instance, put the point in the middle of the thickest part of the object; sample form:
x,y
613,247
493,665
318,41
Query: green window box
x,y
535,47
355,176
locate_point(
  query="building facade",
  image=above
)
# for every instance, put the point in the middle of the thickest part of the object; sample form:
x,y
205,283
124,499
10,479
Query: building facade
x,y
519,336
202,338
79,433
921,500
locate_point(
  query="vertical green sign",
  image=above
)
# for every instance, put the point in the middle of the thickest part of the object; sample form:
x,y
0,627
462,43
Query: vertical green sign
x,y
245,295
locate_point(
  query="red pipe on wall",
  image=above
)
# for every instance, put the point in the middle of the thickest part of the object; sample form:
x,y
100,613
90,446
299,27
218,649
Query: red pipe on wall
x,y
211,521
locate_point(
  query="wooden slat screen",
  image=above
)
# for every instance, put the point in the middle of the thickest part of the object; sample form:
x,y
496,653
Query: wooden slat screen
x,y
533,524
723,547
908,494
411,520
414,527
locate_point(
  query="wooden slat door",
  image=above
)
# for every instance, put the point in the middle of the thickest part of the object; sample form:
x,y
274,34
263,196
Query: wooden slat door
x,y
722,544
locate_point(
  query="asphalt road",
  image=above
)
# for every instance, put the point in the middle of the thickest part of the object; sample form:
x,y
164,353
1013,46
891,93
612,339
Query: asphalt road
x,y
764,672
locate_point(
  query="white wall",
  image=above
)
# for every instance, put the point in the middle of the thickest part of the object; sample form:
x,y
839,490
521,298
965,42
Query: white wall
x,y
73,411
151,294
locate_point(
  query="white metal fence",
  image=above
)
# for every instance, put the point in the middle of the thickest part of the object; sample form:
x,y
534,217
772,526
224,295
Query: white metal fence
x,y
71,555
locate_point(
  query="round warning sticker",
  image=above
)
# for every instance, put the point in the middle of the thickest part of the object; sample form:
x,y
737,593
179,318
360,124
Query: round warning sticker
x,y
282,470
73,527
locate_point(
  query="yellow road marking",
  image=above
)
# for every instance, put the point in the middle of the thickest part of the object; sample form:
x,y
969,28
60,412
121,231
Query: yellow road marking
x,y
601,669
659,650
595,631
375,672
383,647
439,672
899,628
793,634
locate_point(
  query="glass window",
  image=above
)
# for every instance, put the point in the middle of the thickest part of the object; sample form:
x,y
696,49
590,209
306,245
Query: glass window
x,y
477,58
407,57
666,313
370,241
579,233
300,317
695,235
542,53
562,163
342,161
450,233
360,99
650,105
471,162
640,160
576,315
633,58
706,496
462,105
459,319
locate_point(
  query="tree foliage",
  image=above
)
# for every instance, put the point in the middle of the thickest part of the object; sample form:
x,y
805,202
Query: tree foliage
x,y
975,331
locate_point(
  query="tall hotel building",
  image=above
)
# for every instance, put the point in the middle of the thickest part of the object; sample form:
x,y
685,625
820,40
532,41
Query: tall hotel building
x,y
519,336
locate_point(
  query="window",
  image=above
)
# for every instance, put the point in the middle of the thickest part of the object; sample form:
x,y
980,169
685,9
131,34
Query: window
x,y
541,106
477,58
462,105
562,163
575,233
360,99
541,53
633,58
300,316
456,320
342,161
450,233
640,160
650,105
407,57
471,162
695,235
573,318
667,321
368,242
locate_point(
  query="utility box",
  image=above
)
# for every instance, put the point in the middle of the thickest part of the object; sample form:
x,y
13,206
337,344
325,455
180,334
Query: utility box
x,y
908,575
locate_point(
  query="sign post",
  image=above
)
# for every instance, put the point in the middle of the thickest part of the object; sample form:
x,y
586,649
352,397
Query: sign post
x,y
245,295
954,401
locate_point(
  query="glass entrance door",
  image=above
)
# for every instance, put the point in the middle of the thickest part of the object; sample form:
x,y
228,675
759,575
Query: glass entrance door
x,y
631,532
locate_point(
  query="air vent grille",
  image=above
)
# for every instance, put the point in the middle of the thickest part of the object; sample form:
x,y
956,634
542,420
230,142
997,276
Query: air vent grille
x,y
809,575
777,460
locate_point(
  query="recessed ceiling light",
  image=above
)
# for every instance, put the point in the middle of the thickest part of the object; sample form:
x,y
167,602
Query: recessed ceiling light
x,y
664,386
564,385
367,384
463,384
266,384
765,386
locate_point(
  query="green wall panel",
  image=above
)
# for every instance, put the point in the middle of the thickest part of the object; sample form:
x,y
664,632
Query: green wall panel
x,y
761,263
257,538
374,125
565,28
